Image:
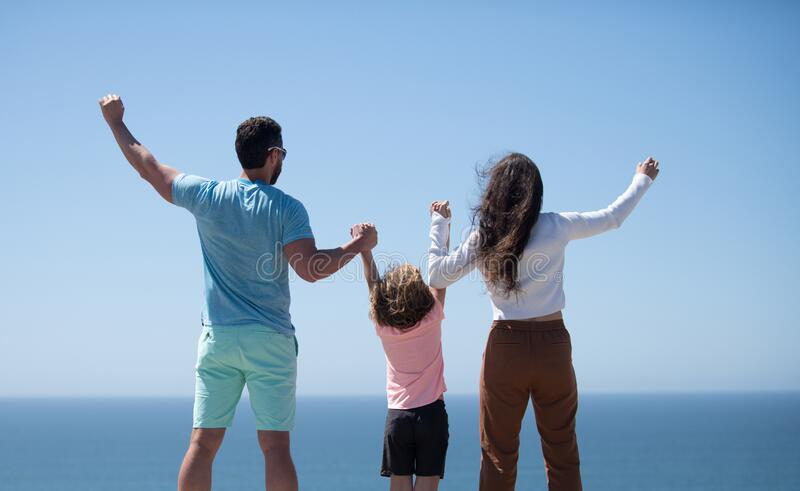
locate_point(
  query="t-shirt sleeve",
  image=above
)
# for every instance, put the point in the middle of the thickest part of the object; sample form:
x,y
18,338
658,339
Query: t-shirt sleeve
x,y
296,226
194,193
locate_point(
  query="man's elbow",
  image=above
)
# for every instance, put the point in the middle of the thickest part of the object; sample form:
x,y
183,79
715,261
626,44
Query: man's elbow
x,y
306,272
306,275
146,166
145,174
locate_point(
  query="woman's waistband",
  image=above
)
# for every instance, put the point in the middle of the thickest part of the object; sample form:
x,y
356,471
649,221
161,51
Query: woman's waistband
x,y
528,325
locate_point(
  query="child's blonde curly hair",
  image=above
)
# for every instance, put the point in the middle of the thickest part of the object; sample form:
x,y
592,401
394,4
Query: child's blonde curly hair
x,y
401,298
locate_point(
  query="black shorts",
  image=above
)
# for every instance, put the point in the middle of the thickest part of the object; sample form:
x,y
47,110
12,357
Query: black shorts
x,y
415,441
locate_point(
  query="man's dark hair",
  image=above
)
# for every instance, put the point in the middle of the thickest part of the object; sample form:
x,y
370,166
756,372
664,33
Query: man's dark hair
x,y
253,138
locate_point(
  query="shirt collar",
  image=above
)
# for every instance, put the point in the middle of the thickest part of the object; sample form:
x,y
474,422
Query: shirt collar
x,y
248,181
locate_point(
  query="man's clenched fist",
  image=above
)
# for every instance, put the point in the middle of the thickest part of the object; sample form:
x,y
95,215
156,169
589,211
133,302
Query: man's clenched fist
x,y
112,108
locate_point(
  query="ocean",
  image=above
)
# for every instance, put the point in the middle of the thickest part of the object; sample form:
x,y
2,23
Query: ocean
x,y
731,442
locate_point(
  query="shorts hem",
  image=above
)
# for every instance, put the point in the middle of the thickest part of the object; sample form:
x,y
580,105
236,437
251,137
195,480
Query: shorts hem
x,y
211,426
440,476
274,428
386,473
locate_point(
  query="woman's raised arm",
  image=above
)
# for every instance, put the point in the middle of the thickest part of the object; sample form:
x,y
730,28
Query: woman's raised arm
x,y
445,268
587,224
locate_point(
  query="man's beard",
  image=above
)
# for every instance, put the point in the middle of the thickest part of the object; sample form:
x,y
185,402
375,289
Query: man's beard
x,y
275,174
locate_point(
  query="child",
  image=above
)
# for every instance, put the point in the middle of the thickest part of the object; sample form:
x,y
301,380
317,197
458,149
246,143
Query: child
x,y
408,320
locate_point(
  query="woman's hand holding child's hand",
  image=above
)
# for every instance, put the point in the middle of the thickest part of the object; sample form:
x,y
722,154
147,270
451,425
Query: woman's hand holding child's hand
x,y
441,207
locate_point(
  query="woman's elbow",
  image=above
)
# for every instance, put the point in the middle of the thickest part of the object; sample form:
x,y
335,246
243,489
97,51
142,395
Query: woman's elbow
x,y
436,280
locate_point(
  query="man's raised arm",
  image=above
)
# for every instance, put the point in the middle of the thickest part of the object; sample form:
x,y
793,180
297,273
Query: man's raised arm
x,y
159,176
314,264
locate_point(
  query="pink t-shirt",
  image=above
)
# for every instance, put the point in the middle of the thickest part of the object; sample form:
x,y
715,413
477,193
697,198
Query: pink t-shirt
x,y
414,363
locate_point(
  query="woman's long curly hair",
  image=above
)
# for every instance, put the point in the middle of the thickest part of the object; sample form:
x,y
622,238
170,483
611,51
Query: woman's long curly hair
x,y
508,211
401,298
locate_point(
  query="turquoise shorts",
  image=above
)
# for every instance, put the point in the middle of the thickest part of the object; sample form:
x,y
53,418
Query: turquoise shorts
x,y
230,357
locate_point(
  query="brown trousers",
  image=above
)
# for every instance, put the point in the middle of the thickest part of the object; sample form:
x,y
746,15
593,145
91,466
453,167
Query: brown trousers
x,y
528,360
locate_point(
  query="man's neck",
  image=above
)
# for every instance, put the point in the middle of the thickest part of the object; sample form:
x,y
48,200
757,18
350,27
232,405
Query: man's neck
x,y
256,174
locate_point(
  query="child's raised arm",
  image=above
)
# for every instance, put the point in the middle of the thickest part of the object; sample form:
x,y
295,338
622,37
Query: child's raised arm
x,y
441,208
370,268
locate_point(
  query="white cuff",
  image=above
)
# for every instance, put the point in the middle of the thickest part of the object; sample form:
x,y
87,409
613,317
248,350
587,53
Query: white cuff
x,y
642,178
437,219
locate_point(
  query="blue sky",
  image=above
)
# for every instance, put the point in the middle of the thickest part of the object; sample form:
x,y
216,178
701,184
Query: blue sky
x,y
385,108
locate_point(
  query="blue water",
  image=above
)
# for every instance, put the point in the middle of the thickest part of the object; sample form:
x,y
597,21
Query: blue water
x,y
628,442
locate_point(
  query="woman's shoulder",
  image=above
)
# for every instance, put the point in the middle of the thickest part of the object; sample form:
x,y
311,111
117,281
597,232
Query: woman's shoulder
x,y
550,228
548,217
551,220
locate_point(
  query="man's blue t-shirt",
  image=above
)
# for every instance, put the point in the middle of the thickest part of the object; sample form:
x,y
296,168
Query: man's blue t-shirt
x,y
243,227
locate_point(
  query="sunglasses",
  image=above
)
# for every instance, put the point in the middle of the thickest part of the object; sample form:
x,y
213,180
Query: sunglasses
x,y
283,150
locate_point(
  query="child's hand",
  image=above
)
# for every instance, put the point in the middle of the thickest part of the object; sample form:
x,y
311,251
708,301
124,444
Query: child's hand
x,y
649,168
441,207
366,234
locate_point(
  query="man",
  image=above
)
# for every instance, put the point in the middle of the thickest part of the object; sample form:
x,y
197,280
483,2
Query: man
x,y
249,232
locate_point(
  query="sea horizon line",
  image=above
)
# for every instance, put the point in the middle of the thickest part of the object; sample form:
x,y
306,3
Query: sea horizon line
x,y
459,395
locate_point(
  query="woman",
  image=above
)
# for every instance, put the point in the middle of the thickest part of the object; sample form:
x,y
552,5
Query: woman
x,y
519,251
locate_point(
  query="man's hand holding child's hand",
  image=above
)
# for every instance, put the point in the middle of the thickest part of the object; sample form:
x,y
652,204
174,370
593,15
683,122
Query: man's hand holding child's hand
x,y
366,234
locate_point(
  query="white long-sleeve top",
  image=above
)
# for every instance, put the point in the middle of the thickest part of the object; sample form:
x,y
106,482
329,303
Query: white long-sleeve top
x,y
541,264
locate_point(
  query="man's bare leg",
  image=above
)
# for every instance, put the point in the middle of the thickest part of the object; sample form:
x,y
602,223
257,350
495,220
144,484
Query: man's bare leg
x,y
195,473
278,465
426,483
401,483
